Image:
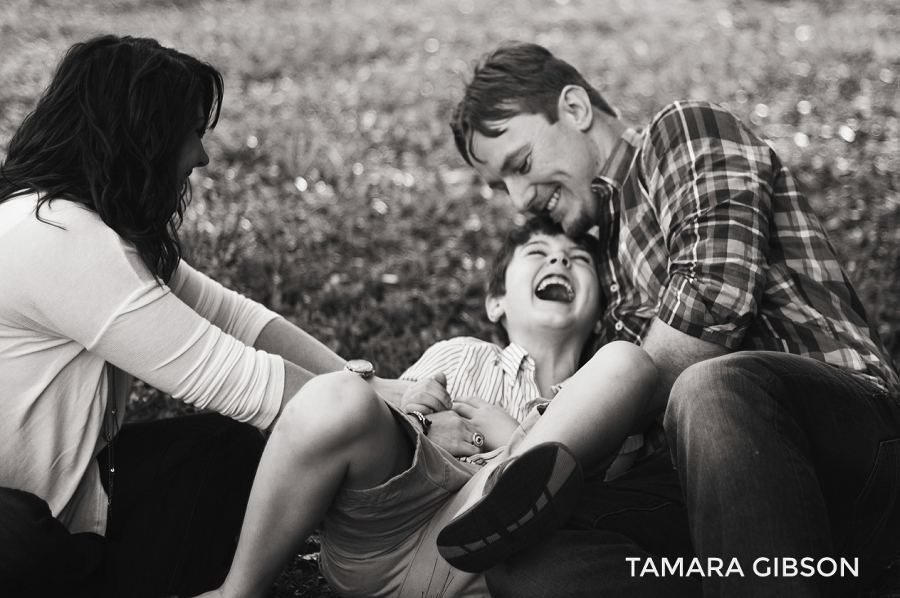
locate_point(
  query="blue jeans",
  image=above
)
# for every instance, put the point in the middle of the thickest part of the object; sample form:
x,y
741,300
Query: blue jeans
x,y
776,456
784,456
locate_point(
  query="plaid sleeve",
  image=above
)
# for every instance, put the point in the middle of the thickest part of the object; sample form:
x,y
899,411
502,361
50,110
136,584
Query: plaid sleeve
x,y
709,179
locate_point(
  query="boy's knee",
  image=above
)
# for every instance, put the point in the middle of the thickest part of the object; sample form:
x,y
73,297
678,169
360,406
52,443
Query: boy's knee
x,y
631,360
636,360
339,401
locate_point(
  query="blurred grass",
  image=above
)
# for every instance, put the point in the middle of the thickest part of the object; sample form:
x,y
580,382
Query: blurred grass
x,y
336,197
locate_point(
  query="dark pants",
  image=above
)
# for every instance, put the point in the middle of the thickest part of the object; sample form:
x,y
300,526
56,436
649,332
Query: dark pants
x,y
783,456
180,491
639,515
776,455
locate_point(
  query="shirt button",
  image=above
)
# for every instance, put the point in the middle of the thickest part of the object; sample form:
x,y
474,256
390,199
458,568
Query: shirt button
x,y
613,287
619,326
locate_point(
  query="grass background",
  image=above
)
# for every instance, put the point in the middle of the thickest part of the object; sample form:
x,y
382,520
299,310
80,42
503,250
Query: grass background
x,y
335,195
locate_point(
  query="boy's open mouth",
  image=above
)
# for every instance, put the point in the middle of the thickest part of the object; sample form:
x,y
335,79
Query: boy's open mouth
x,y
555,288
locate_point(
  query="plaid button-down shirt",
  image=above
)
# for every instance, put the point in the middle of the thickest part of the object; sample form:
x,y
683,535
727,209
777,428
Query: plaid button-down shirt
x,y
704,228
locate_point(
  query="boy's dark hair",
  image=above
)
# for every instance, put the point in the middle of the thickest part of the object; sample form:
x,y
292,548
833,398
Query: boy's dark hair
x,y
535,225
512,80
107,133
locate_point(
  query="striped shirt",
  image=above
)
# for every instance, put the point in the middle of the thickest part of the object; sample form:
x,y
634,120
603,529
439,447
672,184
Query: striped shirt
x,y
708,231
503,377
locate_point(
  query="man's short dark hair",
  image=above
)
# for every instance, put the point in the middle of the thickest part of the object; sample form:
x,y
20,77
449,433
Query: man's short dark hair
x,y
515,79
536,225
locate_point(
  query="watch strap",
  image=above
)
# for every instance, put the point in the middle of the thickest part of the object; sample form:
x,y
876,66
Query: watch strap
x,y
426,423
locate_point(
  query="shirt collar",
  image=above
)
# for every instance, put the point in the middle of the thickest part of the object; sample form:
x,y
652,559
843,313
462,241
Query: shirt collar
x,y
617,166
608,183
511,359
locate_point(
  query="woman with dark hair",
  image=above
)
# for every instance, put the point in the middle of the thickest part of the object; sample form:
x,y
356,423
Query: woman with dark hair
x,y
94,292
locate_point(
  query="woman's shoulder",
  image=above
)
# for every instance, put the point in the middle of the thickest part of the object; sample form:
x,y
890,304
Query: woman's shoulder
x,y
70,211
63,230
54,216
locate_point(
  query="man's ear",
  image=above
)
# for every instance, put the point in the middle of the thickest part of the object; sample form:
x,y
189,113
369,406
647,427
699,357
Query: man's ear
x,y
575,104
494,307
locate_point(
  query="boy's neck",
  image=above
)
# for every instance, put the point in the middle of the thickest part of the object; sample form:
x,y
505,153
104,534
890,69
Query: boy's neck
x,y
555,359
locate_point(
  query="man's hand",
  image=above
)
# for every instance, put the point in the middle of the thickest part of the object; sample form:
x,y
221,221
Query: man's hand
x,y
492,421
427,396
453,433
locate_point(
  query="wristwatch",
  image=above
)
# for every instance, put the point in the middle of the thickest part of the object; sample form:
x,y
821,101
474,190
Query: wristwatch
x,y
362,367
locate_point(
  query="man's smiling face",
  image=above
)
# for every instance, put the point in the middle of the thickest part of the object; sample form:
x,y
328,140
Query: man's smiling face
x,y
545,168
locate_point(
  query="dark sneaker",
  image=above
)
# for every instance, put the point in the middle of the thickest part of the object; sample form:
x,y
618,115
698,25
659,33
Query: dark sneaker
x,y
525,500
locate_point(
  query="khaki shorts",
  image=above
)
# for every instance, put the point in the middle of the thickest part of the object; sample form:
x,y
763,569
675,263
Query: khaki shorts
x,y
382,541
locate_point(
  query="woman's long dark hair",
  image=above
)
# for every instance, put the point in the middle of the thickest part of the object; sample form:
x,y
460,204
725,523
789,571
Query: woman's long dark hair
x,y
107,133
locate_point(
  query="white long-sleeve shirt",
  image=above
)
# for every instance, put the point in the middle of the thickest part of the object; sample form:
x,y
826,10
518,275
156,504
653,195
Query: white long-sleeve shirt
x,y
74,296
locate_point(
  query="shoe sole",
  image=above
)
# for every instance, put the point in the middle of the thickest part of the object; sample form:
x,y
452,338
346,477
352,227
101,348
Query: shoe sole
x,y
532,497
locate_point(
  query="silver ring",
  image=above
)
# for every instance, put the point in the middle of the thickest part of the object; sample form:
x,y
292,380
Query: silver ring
x,y
477,439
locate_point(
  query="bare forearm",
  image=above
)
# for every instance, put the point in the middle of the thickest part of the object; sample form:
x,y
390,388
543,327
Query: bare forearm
x,y
306,357
673,352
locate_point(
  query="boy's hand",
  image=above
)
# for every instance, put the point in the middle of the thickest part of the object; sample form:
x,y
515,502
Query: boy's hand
x,y
492,421
427,396
390,390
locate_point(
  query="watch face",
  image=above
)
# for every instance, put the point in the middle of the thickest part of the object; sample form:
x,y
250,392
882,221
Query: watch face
x,y
361,367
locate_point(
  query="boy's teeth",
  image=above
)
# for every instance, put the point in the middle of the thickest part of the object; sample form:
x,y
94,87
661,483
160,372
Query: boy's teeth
x,y
554,280
558,281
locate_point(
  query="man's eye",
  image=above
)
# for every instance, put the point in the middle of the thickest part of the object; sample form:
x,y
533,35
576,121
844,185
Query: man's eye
x,y
525,167
582,257
537,252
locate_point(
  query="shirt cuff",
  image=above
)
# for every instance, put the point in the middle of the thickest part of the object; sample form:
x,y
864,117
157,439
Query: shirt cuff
x,y
686,308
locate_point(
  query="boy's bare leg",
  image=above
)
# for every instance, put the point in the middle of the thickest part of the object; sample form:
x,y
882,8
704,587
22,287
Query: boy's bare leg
x,y
590,419
597,408
542,482
336,432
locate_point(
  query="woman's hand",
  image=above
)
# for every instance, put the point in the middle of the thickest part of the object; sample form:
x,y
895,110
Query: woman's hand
x,y
492,421
427,396
453,433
